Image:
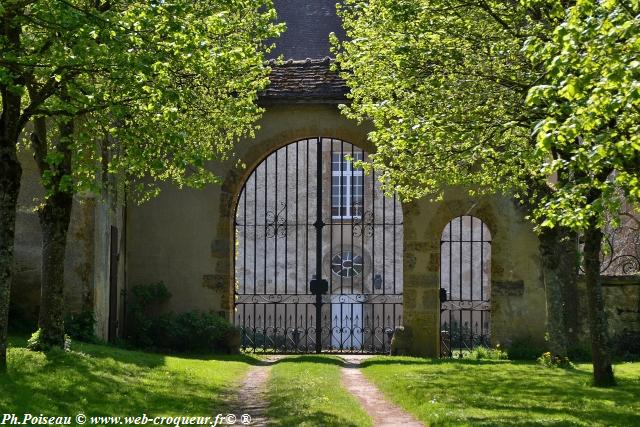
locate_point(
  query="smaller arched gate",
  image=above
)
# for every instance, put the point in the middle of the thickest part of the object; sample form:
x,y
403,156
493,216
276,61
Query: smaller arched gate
x,y
465,286
318,253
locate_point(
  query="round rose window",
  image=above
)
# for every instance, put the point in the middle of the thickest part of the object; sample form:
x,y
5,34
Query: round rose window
x,y
346,264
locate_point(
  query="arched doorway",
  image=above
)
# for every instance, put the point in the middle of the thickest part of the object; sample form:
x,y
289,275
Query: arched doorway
x,y
308,212
465,286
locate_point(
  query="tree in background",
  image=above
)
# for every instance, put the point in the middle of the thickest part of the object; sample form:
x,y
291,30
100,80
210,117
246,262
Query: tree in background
x,y
456,100
590,133
143,91
445,84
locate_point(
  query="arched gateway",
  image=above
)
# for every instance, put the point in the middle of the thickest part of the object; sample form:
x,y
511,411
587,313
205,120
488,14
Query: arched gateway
x,y
465,286
309,212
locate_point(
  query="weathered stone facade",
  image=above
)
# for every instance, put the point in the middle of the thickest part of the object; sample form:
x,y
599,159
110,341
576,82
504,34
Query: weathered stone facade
x,y
622,305
186,238
87,253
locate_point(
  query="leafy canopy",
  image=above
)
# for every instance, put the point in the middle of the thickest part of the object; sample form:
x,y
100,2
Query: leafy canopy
x,y
445,84
590,99
160,87
538,98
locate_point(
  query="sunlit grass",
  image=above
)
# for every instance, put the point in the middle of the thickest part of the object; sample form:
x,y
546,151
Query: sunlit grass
x,y
459,392
307,391
103,380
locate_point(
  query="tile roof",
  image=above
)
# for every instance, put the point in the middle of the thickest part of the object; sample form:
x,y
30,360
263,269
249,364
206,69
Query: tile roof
x,y
309,80
309,23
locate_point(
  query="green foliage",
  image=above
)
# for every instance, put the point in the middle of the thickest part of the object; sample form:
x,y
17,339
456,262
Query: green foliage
x,y
523,349
626,345
445,91
498,393
580,352
103,380
148,295
81,326
550,361
135,92
589,100
306,391
497,95
20,321
486,353
39,342
157,89
193,331
140,309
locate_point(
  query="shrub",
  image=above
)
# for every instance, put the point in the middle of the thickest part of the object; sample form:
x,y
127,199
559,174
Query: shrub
x,y
144,300
555,361
626,345
522,349
145,296
193,331
81,326
19,321
487,353
580,352
37,342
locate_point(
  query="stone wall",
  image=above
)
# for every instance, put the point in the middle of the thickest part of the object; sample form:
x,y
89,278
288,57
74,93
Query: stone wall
x,y
186,238
622,305
79,258
517,292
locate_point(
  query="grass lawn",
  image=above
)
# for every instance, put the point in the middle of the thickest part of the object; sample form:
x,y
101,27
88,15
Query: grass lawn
x,y
459,392
103,380
307,391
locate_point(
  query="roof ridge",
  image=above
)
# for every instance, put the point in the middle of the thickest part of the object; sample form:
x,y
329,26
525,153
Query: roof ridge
x,y
306,61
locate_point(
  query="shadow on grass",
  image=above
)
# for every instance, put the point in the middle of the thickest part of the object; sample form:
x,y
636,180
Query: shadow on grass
x,y
392,360
155,358
503,393
103,380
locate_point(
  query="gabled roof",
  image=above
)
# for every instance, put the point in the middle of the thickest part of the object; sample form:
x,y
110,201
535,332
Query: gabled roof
x,y
309,80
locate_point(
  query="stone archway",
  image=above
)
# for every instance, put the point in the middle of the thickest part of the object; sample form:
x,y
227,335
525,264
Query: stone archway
x,y
423,222
465,285
298,204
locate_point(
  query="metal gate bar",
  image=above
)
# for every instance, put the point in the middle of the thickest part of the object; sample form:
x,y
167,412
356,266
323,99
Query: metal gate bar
x,y
465,250
280,310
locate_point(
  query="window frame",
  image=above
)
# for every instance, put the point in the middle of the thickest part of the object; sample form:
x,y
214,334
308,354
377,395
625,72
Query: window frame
x,y
345,174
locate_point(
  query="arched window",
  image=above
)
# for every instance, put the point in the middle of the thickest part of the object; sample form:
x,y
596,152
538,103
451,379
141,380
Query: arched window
x,y
465,285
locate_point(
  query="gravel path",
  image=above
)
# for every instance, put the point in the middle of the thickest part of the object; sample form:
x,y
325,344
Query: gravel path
x,y
251,397
383,412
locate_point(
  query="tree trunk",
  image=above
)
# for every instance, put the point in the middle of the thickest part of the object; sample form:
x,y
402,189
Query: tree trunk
x,y
54,219
10,169
55,215
10,174
569,265
554,278
602,369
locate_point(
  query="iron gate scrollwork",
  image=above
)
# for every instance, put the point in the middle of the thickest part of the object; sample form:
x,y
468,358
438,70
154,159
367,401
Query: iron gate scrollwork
x,y
318,253
621,244
465,303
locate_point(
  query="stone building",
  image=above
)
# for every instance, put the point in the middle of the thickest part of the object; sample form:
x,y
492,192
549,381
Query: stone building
x,y
293,207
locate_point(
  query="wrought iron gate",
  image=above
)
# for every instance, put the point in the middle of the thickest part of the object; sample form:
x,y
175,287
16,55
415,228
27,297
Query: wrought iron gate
x,y
465,304
318,253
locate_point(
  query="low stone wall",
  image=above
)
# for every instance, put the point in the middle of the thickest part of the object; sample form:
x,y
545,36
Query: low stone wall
x,y
622,304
